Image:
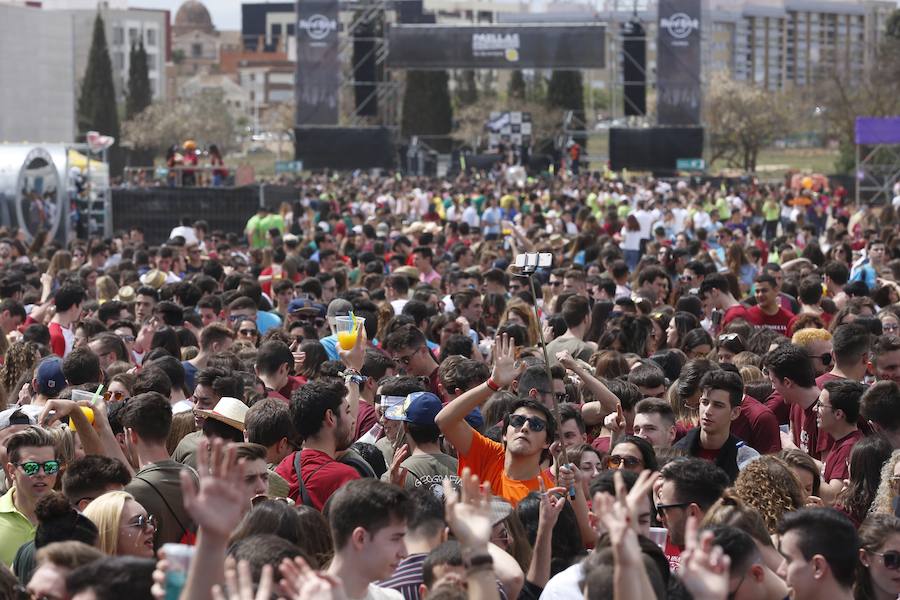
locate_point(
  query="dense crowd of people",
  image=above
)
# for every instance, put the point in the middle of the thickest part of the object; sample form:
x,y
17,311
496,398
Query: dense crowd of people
x,y
362,396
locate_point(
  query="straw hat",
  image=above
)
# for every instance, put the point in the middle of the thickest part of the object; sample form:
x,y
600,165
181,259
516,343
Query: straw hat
x,y
230,411
126,294
411,272
154,278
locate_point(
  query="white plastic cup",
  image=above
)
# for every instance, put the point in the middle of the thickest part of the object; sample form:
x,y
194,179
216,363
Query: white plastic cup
x,y
658,535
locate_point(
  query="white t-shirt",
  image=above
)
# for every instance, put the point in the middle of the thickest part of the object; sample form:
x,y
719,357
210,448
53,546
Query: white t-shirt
x,y
564,585
380,593
631,240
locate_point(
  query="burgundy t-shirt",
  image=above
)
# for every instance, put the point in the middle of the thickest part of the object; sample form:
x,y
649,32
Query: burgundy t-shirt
x,y
322,476
821,380
366,418
779,321
836,465
757,426
775,402
738,311
806,432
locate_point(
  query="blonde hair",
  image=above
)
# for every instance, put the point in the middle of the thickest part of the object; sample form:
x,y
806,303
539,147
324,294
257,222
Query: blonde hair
x,y
768,485
751,374
805,337
106,513
106,288
884,496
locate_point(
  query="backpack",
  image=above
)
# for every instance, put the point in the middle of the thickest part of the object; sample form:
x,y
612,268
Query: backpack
x,y
351,458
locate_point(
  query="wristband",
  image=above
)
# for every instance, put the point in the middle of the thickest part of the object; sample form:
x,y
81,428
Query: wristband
x,y
492,385
479,561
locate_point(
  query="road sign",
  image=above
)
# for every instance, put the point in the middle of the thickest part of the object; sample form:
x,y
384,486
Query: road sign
x,y
690,164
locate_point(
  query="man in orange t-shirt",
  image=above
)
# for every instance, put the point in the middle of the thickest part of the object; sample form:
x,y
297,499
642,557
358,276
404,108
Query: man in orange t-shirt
x,y
513,468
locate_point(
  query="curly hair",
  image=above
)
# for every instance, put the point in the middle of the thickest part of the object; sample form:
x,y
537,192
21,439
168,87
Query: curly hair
x,y
884,496
20,358
768,485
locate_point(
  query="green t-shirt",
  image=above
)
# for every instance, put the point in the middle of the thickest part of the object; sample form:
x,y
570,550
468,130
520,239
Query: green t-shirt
x,y
259,227
771,210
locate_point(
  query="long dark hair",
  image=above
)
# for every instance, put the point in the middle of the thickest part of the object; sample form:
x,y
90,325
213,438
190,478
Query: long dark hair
x,y
866,460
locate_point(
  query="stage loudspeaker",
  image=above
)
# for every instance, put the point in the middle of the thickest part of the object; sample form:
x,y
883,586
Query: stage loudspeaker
x,y
634,68
365,73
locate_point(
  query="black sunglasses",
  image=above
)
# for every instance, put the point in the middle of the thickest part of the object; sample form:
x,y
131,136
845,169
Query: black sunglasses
x,y
891,559
660,508
534,423
825,358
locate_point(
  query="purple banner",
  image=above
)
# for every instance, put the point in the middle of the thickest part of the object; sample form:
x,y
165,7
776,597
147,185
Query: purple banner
x,y
877,130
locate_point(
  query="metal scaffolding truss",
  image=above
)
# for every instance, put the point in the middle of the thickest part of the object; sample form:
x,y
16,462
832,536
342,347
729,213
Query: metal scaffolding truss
x,y
877,158
366,23
877,170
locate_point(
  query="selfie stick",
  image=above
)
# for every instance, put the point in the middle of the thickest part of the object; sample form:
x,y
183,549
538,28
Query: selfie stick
x,y
529,263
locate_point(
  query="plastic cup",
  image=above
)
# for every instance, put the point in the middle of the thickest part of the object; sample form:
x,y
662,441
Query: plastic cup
x,y
79,395
347,330
178,557
88,413
658,536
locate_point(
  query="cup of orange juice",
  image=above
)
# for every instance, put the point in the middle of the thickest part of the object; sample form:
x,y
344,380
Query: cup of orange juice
x,y
347,330
88,413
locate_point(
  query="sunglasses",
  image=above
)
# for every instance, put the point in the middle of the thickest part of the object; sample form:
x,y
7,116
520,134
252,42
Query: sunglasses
x,y
614,461
143,522
113,396
31,467
825,358
661,508
891,559
534,423
728,337
127,338
555,283
247,332
263,498
236,318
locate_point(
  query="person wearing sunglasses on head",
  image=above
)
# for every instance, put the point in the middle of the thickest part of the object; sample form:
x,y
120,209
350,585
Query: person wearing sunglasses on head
x,y
878,572
720,404
32,468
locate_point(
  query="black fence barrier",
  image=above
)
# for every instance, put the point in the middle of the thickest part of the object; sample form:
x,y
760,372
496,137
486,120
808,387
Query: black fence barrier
x,y
158,210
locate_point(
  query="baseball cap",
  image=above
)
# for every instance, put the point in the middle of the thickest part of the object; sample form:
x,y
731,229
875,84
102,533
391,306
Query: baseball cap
x,y
305,306
419,408
339,307
20,415
49,375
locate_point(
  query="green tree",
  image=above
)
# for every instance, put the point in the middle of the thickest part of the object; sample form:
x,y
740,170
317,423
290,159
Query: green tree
x,y
97,109
566,91
426,107
467,92
516,88
139,95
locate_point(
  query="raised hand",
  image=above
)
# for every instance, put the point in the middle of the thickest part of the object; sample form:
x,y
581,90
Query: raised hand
x,y
506,367
704,568
398,473
551,506
469,516
355,356
239,584
300,582
619,523
565,359
220,502
615,422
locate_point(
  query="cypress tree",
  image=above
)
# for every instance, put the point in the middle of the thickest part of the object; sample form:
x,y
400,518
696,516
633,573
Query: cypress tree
x,y
516,88
97,109
139,95
566,91
468,89
426,107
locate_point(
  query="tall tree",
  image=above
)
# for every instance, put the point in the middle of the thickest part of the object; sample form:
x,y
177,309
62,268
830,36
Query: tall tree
x,y
139,94
426,107
467,92
566,91
516,88
97,109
